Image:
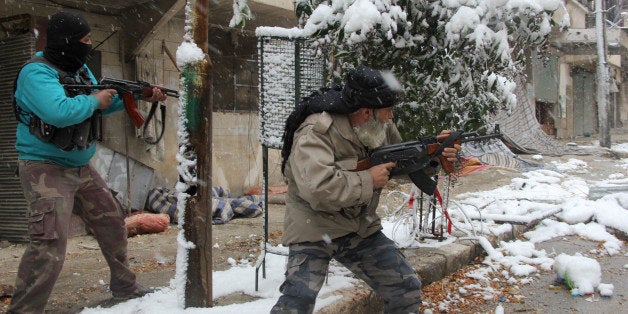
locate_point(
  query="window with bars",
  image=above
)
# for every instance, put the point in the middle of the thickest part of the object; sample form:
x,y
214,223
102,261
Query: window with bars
x,y
235,74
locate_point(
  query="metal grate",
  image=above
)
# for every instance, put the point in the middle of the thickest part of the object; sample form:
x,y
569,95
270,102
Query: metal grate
x,y
14,51
289,70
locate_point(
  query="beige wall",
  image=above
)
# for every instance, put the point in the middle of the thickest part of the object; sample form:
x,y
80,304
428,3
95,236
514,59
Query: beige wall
x,y
564,126
153,65
624,96
237,154
284,4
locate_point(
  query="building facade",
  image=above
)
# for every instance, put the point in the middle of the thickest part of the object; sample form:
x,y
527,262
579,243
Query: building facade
x,y
565,81
138,40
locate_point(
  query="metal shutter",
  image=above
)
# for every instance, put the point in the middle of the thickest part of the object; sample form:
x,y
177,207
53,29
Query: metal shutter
x,y
14,51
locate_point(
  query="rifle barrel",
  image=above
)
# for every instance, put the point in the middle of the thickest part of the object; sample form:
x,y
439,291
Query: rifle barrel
x,y
139,85
121,87
474,137
76,86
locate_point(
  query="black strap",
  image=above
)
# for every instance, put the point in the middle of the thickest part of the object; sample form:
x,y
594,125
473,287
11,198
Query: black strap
x,y
17,111
150,116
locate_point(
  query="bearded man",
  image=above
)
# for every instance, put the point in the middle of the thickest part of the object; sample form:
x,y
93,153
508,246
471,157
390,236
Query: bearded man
x,y
330,208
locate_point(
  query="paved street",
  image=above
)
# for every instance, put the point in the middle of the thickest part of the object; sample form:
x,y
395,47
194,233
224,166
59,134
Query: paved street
x,y
540,298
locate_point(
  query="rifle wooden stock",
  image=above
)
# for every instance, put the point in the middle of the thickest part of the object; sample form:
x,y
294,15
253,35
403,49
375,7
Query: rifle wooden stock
x,y
421,151
363,164
131,109
459,138
447,165
128,90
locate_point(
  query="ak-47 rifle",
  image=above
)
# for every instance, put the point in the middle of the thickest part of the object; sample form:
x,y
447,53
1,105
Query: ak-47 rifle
x,y
419,159
127,91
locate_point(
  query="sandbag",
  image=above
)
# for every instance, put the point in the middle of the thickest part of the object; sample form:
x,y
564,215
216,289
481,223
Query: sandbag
x,y
146,223
163,201
224,206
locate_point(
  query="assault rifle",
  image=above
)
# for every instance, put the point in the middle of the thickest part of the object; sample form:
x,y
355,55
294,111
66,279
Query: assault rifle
x,y
420,159
127,91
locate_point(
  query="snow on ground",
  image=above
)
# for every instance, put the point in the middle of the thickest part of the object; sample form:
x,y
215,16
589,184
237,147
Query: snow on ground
x,y
238,279
582,274
558,199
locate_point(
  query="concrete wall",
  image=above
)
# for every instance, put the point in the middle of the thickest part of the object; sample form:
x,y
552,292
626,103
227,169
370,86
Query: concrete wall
x,y
153,65
237,154
577,14
623,94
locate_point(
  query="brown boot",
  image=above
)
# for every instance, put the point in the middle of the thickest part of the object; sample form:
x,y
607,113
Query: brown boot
x,y
139,292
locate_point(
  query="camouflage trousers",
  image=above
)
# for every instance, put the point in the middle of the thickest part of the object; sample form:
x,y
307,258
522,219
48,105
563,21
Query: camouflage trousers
x,y
375,259
53,193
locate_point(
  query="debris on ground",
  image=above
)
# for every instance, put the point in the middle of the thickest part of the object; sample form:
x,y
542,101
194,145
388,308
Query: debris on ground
x,y
462,292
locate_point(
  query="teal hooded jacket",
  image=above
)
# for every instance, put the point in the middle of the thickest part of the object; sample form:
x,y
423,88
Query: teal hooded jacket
x,y
39,91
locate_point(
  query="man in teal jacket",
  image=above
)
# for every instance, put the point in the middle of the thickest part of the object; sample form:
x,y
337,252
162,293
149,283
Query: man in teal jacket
x,y
55,140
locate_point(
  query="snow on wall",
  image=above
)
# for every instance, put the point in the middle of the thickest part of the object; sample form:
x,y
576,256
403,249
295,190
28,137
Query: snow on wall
x,y
289,70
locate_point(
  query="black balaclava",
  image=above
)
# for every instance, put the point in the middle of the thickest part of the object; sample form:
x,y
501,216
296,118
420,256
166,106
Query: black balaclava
x,y
364,88
63,46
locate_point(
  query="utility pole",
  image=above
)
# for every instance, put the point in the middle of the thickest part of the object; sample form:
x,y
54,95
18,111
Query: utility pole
x,y
197,150
602,76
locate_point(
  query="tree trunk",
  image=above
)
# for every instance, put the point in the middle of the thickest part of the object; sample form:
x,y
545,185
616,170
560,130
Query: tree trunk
x,y
198,210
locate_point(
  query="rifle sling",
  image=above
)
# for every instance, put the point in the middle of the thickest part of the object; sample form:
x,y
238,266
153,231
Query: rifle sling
x,y
151,114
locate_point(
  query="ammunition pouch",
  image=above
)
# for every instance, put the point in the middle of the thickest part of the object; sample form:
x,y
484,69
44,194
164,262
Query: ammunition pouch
x,y
78,136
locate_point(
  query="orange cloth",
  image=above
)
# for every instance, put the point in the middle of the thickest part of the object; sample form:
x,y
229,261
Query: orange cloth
x,y
470,165
274,189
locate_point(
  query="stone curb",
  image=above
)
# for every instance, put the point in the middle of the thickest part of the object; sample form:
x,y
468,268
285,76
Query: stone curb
x,y
432,264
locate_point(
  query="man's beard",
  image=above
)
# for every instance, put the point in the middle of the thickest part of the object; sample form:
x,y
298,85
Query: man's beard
x,y
371,134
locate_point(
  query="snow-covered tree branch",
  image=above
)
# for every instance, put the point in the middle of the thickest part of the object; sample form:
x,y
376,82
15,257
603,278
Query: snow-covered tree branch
x,y
457,58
